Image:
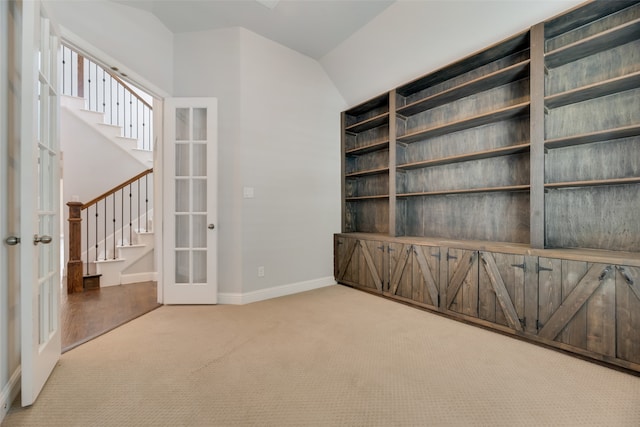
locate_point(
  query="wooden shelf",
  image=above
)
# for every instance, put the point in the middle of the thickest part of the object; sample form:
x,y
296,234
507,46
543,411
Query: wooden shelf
x,y
368,148
583,15
497,152
593,183
467,191
368,124
596,90
498,78
594,44
360,198
367,172
588,138
366,106
482,119
518,43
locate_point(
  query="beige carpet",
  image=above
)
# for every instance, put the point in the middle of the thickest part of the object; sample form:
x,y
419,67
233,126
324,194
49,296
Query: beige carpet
x,y
329,357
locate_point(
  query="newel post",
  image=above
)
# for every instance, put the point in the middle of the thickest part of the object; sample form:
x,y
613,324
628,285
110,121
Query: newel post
x,y
80,76
74,266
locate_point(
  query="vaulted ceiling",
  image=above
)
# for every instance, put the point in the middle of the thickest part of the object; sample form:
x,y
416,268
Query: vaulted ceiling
x,y
311,27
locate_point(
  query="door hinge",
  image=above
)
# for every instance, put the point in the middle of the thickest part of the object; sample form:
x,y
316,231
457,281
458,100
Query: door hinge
x,y
523,266
538,325
436,255
523,322
604,273
625,275
438,300
390,249
540,268
451,256
381,248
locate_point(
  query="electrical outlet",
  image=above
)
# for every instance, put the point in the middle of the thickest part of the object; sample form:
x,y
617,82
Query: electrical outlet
x,y
261,271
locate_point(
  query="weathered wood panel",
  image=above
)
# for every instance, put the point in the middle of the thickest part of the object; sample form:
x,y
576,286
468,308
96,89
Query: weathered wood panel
x,y
426,273
372,269
582,292
414,273
575,332
628,313
594,217
367,216
501,217
360,263
603,160
462,289
501,289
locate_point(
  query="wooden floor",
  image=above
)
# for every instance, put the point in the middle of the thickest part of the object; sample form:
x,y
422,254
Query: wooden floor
x,y
91,313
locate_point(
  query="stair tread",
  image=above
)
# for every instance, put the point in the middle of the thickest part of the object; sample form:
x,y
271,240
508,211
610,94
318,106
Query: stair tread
x,y
104,261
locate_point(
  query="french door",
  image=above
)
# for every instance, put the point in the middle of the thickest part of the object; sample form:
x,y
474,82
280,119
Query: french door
x,y
190,201
39,202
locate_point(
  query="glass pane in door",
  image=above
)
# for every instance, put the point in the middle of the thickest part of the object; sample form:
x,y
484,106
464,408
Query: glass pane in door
x,y
191,195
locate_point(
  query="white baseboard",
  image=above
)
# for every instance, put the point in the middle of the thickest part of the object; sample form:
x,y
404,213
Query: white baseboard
x,y
9,393
125,279
277,291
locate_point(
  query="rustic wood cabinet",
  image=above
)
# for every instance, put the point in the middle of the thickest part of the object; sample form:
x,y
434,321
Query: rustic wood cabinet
x,y
504,189
414,273
360,263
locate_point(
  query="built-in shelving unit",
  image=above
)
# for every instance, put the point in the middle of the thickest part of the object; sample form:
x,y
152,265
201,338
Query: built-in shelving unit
x,y
592,125
504,189
366,166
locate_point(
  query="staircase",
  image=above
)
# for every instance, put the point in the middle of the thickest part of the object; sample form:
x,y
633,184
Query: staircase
x,y
110,238
132,262
73,108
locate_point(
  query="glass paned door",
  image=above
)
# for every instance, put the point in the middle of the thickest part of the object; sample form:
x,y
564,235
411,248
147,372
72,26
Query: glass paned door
x,y
39,202
190,209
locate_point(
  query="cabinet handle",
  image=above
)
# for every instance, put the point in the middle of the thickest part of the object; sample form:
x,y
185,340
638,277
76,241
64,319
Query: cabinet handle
x,y
625,276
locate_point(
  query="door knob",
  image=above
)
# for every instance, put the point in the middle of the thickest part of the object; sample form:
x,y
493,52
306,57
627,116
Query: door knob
x,y
41,239
211,226
12,240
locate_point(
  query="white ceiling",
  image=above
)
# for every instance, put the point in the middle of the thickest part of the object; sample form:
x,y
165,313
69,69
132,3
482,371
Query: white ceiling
x,y
312,27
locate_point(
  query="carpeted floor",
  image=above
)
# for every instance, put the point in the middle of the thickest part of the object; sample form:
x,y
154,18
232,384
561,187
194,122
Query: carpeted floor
x,y
330,357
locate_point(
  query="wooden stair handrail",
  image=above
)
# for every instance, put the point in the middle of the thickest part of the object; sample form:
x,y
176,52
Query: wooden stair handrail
x,y
116,188
80,71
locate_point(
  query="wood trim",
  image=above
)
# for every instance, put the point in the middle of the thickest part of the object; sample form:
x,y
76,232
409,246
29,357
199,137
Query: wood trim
x,y
393,147
536,136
